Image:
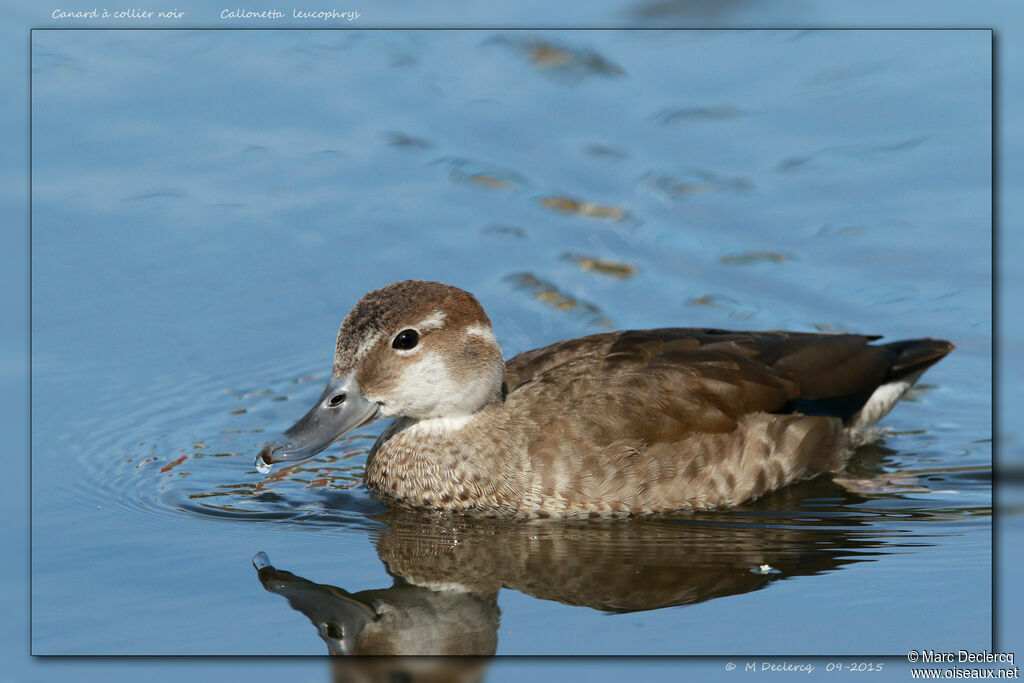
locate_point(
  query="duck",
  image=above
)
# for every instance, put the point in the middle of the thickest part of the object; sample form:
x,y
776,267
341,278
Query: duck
x,y
621,423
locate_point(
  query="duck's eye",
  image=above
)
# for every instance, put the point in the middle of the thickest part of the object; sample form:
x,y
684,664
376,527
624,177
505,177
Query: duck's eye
x,y
405,340
337,400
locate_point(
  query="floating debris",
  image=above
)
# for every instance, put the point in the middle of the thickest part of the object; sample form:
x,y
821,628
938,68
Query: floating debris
x,y
745,258
396,139
562,61
709,113
475,173
505,230
792,164
735,183
673,187
616,269
828,229
172,465
570,205
607,152
156,194
722,302
548,55
256,393
713,301
488,181
329,154
550,294
830,158
695,182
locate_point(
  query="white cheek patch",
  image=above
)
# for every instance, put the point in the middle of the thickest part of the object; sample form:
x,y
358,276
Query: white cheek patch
x,y
429,371
425,387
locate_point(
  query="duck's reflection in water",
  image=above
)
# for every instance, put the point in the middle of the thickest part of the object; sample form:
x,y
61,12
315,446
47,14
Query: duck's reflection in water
x,y
404,619
408,669
448,570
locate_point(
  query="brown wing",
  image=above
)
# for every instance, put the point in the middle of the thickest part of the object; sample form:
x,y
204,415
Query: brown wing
x,y
738,372
661,419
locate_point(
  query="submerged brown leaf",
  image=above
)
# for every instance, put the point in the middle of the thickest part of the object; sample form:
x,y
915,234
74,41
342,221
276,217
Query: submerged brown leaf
x,y
722,302
616,269
397,139
712,301
504,230
744,258
562,61
550,294
172,465
705,113
482,174
587,209
488,181
548,55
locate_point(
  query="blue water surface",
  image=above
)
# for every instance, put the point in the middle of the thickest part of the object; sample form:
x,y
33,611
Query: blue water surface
x,y
207,205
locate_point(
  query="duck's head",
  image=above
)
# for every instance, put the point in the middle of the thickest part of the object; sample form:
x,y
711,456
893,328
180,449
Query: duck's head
x,y
412,349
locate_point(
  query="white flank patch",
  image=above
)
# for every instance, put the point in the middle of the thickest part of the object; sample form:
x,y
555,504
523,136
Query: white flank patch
x,y
882,401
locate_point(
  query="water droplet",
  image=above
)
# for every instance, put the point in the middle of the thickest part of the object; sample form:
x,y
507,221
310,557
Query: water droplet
x,y
263,466
260,560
